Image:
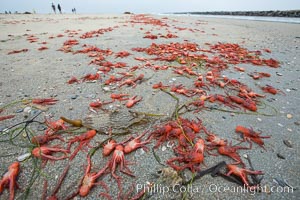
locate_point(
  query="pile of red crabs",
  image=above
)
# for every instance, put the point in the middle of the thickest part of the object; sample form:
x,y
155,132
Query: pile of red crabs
x,y
192,143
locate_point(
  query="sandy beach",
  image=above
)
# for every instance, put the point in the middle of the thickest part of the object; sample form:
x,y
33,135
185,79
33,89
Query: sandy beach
x,y
38,59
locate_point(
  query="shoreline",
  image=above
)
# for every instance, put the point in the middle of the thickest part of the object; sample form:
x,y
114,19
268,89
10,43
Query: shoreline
x,y
271,13
291,20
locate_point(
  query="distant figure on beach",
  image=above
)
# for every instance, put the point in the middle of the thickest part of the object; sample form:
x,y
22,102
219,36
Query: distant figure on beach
x,y
74,10
59,8
53,8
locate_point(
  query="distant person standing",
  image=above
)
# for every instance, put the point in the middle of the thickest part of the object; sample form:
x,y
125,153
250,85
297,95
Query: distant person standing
x,y
59,8
74,10
53,8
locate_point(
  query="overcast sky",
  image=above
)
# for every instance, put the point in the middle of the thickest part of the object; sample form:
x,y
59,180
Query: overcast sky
x,y
147,6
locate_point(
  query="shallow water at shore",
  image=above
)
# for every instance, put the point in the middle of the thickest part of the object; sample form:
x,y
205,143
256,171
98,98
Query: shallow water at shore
x,y
293,20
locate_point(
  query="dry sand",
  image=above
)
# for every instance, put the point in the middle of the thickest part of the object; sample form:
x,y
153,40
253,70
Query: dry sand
x,y
44,74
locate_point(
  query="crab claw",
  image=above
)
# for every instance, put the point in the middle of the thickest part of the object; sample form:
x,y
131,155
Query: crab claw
x,y
132,101
45,152
119,97
136,143
48,101
109,147
242,173
9,179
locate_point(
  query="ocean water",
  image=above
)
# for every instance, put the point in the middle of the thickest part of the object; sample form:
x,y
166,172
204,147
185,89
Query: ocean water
x,y
253,18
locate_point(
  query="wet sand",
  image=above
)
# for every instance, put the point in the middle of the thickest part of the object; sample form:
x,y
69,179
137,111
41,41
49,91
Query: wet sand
x,y
43,74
